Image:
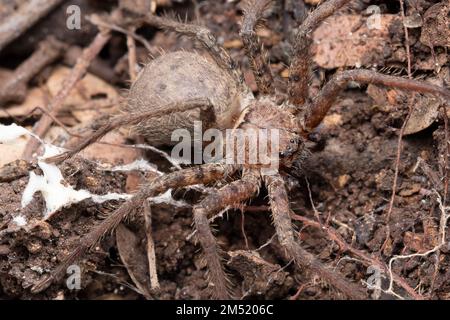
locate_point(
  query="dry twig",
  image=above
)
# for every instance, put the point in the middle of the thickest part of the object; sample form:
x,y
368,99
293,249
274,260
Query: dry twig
x,y
400,137
15,88
154,283
43,125
442,234
27,15
367,259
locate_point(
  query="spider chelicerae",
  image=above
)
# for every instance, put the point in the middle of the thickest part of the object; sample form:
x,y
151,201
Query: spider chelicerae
x,y
294,115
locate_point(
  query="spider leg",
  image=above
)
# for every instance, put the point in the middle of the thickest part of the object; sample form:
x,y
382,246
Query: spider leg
x,y
297,8
230,194
253,12
318,108
279,203
129,119
300,68
206,38
200,174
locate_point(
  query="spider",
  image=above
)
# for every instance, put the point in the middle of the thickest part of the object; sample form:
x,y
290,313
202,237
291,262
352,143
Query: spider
x,y
295,118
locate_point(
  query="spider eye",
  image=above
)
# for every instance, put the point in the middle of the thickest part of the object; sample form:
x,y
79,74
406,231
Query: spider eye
x,y
292,141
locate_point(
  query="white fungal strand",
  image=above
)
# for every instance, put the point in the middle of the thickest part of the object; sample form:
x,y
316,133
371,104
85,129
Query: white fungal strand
x,y
10,133
20,221
167,198
55,192
138,165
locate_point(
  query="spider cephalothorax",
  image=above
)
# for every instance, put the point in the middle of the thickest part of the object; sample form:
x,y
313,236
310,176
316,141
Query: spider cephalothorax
x,y
265,113
189,89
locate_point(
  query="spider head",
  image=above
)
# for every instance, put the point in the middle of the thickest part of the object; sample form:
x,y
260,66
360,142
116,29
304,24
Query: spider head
x,y
283,126
292,148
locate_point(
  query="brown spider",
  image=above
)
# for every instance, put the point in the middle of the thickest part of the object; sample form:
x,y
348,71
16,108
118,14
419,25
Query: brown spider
x,y
295,118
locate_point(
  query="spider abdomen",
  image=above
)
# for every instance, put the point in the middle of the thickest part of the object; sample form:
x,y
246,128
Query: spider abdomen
x,y
177,77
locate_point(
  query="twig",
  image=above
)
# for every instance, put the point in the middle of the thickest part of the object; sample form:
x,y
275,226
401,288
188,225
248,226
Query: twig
x,y
368,259
394,183
405,28
442,232
96,20
15,88
444,198
243,228
119,281
26,16
299,291
447,153
43,125
268,242
98,66
316,213
400,137
131,44
154,283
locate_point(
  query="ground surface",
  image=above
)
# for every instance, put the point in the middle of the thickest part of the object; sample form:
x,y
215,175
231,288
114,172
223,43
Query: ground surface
x,y
347,180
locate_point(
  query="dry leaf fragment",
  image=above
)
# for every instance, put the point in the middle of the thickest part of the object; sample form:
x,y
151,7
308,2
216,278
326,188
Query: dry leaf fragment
x,y
87,89
260,277
349,40
425,108
436,26
133,257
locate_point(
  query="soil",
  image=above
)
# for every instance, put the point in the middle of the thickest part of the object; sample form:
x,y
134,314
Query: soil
x,y
347,182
